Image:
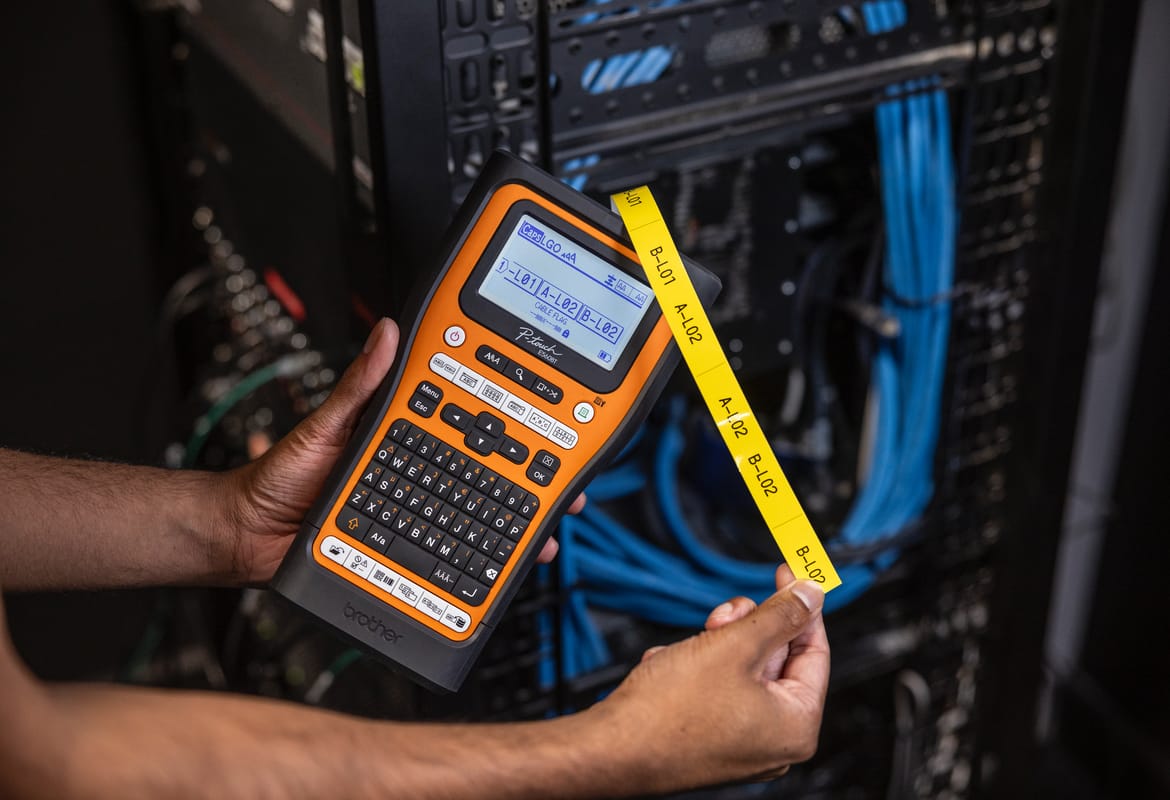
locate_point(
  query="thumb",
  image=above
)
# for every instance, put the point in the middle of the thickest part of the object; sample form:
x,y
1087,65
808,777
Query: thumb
x,y
780,618
334,421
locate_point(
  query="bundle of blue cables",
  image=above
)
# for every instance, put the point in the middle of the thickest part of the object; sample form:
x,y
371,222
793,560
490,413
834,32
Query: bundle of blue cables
x,y
604,565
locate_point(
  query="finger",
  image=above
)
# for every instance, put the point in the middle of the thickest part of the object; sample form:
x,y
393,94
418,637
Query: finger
x,y
334,421
652,651
734,609
548,552
808,660
578,504
780,619
784,576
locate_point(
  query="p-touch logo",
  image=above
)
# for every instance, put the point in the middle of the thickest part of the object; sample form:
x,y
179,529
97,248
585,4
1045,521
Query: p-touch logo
x,y
372,624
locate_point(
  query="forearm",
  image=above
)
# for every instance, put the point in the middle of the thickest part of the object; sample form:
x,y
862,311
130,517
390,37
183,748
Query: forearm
x,y
128,743
66,523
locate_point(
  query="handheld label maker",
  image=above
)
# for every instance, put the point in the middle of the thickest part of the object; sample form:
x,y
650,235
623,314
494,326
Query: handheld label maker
x,y
533,354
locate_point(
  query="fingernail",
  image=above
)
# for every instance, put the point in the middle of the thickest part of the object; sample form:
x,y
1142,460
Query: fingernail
x,y
810,593
375,334
721,610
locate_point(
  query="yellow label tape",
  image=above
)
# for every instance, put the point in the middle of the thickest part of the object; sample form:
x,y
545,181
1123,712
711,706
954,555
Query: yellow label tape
x,y
721,392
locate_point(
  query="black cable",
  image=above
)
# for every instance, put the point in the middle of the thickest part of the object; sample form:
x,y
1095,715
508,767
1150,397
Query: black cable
x,y
867,552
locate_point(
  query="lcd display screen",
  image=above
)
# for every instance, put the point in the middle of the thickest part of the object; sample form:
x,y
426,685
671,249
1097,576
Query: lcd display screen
x,y
566,293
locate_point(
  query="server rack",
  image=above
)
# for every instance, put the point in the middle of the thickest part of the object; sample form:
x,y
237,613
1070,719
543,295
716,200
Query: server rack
x,y
768,107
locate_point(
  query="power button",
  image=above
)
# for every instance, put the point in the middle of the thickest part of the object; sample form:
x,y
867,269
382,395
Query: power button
x,y
454,336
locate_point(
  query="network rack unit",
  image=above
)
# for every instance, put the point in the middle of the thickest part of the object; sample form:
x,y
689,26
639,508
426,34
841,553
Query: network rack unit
x,y
771,134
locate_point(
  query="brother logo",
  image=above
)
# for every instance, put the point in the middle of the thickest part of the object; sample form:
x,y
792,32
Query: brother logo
x,y
372,624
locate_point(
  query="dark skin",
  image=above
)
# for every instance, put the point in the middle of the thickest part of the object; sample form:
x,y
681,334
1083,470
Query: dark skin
x,y
741,700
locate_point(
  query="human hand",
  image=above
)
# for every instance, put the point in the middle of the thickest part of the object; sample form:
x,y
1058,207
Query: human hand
x,y
268,498
740,701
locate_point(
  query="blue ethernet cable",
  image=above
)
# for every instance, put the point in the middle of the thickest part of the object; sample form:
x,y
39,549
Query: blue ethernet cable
x,y
917,192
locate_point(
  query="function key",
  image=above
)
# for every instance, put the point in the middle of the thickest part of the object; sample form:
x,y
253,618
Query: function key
x,y
430,391
470,591
398,429
413,437
490,357
548,391
512,450
353,524
491,394
539,475
444,366
547,460
426,399
456,417
490,424
378,538
520,374
583,412
565,437
421,405
539,422
490,572
444,577
480,442
516,408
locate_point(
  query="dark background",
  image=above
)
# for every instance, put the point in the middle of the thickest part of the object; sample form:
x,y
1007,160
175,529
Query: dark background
x,y
79,246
